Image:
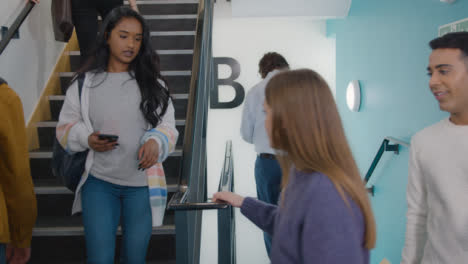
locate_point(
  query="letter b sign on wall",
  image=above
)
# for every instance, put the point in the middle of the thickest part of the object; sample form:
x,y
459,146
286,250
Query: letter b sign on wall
x,y
230,81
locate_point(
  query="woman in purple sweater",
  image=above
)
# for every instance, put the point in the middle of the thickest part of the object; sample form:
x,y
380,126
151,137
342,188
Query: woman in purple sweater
x,y
324,215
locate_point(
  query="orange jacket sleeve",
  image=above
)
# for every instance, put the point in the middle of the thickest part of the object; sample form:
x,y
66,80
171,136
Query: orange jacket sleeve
x,y
15,175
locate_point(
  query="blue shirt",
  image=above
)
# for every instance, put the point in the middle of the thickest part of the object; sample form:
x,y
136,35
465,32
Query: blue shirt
x,y
253,117
313,224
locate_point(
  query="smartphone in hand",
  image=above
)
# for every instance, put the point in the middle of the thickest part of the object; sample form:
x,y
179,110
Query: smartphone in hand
x,y
108,137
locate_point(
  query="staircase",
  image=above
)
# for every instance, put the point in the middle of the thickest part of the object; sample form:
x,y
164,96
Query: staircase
x,y
59,237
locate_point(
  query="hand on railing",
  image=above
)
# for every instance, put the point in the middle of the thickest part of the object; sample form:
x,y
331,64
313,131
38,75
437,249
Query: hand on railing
x,y
228,197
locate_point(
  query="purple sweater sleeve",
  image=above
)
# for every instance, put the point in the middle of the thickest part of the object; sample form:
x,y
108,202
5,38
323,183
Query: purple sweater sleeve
x,y
261,214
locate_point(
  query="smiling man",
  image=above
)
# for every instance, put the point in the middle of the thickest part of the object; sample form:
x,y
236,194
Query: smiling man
x,y
437,194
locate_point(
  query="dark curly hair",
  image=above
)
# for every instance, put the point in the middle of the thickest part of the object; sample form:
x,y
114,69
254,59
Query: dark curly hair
x,y
456,40
271,61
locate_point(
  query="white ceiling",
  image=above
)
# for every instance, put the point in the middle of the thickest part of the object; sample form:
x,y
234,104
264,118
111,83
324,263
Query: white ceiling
x,y
319,9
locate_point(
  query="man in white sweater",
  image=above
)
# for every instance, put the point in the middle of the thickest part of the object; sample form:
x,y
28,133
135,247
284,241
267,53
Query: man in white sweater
x,y
437,218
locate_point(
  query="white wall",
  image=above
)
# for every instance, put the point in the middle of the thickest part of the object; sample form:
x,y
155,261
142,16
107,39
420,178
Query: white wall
x,y
26,63
307,8
304,44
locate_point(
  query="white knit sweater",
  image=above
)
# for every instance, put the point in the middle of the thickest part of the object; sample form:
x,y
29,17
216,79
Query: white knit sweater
x,y
437,218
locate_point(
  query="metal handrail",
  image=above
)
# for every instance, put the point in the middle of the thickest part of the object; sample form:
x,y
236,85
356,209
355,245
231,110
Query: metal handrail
x,y
226,183
15,26
385,146
193,176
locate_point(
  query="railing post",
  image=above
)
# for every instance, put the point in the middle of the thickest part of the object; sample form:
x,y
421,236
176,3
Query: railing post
x,y
392,147
226,241
385,146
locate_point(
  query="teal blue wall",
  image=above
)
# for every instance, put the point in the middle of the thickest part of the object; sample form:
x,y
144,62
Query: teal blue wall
x,y
384,44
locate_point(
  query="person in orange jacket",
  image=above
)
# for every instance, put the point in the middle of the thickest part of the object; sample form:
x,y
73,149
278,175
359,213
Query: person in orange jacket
x,y
18,209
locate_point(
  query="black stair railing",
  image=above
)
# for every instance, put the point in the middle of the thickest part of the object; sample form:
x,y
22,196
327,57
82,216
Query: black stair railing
x,y
385,146
16,25
191,198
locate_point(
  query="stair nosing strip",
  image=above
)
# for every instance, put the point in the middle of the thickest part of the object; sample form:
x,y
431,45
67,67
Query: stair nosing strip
x,y
164,73
79,231
179,122
47,124
40,155
175,52
167,17
164,2
63,190
176,73
160,52
172,33
180,96
170,17
52,190
48,154
56,97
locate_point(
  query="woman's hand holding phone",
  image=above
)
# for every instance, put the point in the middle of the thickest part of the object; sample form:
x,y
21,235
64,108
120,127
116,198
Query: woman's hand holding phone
x,y
148,154
100,145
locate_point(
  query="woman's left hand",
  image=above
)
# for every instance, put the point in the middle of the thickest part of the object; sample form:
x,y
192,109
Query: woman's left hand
x,y
148,154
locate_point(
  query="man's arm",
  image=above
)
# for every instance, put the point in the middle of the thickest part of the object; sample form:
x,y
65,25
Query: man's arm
x,y
248,118
16,182
417,211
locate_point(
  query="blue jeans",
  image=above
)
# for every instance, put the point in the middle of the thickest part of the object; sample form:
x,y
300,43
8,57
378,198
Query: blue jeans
x,y
104,204
2,253
268,179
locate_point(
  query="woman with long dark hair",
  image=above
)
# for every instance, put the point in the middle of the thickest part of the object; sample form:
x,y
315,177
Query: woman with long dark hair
x,y
125,117
324,215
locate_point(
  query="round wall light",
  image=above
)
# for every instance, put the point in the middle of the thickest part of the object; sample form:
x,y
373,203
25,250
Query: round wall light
x,y
353,96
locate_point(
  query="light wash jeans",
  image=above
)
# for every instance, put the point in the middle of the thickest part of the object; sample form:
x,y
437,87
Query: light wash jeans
x,y
104,204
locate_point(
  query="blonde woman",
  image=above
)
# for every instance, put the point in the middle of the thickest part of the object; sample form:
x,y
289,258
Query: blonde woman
x,y
324,215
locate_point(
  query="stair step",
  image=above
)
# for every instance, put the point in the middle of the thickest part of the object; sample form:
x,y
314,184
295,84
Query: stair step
x,y
165,52
171,23
163,73
47,154
79,231
49,186
54,210
169,17
71,249
167,7
174,42
180,102
160,2
41,161
177,60
172,33
46,130
179,122
178,84
178,81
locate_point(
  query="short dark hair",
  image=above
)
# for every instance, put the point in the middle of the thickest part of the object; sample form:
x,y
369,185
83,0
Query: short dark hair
x,y
271,61
455,40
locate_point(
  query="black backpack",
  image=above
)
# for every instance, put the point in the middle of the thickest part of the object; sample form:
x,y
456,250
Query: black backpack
x,y
66,166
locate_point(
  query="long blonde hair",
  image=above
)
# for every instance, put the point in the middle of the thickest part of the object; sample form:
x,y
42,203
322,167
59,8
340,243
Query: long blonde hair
x,y
307,129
